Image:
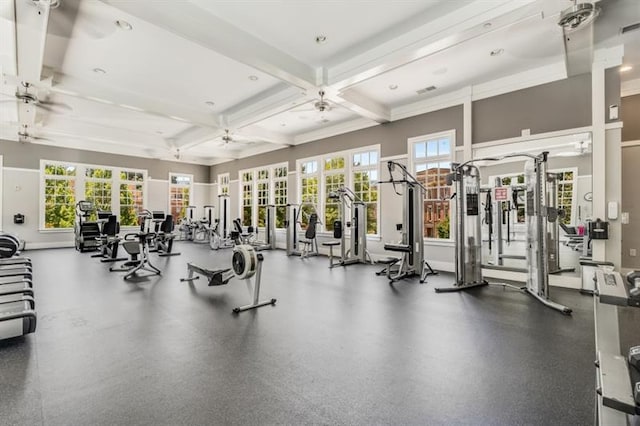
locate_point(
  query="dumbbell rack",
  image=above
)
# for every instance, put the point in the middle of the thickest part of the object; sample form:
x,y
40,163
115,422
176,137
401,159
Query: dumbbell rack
x,y
17,303
615,403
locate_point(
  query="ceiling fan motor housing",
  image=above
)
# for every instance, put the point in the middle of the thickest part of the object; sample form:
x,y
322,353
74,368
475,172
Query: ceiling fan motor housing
x,y
578,16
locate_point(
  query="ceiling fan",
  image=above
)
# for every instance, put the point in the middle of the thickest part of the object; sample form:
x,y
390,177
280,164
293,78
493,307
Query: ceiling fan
x,y
24,136
320,105
29,98
577,30
228,140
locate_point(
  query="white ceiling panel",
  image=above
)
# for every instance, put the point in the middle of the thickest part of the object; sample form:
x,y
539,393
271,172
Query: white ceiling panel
x,y
526,45
147,59
292,25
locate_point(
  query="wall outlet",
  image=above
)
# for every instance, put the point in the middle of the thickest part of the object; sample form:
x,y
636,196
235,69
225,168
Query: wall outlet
x,y
633,252
526,132
613,112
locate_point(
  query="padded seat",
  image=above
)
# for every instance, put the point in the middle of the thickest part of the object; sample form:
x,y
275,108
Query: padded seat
x,y
388,260
404,248
331,243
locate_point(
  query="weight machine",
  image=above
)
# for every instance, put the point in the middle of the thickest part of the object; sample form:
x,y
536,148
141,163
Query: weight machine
x,y
220,234
468,261
296,245
411,261
554,215
356,251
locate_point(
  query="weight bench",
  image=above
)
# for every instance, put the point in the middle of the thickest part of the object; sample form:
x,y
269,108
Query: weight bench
x,y
215,276
390,262
402,271
331,245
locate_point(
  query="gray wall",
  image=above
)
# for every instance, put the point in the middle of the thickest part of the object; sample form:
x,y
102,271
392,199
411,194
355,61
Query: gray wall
x,y
28,156
630,114
631,204
392,138
563,104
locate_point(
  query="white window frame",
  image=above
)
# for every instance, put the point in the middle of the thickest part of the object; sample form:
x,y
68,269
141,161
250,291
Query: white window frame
x,y
348,171
80,179
412,162
179,185
222,184
254,188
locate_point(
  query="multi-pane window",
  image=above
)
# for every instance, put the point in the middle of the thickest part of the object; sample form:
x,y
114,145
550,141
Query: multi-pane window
x,y
365,178
180,190
309,190
566,194
97,189
280,176
59,195
131,196
223,184
431,161
356,170
262,187
107,188
247,198
334,179
262,196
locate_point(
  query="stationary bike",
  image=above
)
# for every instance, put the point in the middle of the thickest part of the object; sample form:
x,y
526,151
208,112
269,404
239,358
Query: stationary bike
x,y
137,245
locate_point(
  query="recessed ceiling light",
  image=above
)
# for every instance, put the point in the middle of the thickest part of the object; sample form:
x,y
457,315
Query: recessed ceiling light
x,y
124,25
210,103
253,77
99,71
283,124
487,25
626,68
497,52
393,86
321,39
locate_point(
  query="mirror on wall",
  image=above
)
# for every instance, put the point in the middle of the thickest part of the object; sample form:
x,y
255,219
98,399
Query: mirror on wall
x,y
569,187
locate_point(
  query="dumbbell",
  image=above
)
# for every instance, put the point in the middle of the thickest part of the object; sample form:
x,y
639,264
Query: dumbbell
x,y
634,362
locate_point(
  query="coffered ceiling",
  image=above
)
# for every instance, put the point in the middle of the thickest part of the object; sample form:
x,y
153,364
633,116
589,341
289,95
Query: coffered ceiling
x,y
166,79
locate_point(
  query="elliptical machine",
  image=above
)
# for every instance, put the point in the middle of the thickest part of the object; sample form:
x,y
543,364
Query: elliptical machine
x,y
137,245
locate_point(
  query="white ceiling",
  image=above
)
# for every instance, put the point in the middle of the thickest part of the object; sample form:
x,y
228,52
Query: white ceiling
x,y
259,63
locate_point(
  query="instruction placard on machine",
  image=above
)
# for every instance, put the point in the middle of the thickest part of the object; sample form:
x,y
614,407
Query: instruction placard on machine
x,y
500,194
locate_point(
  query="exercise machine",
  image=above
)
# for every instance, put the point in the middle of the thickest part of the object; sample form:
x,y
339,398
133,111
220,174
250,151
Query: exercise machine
x,y
250,234
305,245
411,248
137,245
353,215
468,254
163,227
87,234
617,392
10,245
220,233
245,264
109,241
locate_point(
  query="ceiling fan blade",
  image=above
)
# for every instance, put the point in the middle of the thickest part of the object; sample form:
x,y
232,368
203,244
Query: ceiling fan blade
x,y
59,105
303,110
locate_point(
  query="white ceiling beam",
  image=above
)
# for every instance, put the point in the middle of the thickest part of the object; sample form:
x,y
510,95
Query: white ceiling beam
x,y
274,101
194,23
68,86
264,135
194,136
31,35
363,105
459,24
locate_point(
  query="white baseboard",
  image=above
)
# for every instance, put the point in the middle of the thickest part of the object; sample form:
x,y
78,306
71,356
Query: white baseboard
x,y
37,246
